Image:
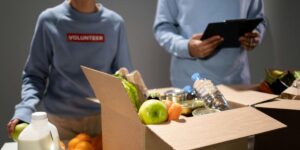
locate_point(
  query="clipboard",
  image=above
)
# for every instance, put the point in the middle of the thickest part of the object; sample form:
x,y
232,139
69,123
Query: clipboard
x,y
231,30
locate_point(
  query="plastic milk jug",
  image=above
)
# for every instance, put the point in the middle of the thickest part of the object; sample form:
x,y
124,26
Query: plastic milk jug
x,y
39,135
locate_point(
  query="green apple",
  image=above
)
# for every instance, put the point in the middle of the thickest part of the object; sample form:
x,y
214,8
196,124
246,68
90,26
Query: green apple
x,y
18,129
153,112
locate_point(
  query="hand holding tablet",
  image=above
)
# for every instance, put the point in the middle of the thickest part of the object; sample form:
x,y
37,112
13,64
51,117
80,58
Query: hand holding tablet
x,y
232,31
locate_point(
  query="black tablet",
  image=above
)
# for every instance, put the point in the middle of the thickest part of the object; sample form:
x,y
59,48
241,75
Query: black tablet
x,y
231,30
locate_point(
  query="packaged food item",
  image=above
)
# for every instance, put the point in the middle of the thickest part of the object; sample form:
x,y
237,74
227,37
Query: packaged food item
x,y
190,105
175,95
209,93
191,94
292,92
187,99
39,135
278,80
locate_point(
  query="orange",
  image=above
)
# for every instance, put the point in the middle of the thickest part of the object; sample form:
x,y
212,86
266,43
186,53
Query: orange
x,y
174,111
97,142
84,137
84,145
73,142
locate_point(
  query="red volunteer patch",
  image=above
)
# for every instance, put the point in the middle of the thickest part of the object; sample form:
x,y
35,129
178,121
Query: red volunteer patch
x,y
85,37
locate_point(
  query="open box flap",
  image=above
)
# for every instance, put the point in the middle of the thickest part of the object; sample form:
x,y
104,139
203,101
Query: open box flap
x,y
210,129
110,91
247,98
281,104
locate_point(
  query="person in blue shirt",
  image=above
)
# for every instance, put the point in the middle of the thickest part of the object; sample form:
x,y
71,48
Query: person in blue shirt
x,y
71,34
179,26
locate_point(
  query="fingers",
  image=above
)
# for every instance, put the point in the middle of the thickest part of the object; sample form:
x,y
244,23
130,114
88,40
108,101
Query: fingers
x,y
202,49
250,43
212,43
208,46
252,34
250,40
11,126
213,39
197,36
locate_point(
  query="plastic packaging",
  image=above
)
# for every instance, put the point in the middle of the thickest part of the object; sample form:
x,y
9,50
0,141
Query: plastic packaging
x,y
39,135
191,94
175,95
207,91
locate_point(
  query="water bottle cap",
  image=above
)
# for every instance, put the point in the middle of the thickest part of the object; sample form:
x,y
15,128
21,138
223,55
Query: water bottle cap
x,y
196,76
188,89
39,116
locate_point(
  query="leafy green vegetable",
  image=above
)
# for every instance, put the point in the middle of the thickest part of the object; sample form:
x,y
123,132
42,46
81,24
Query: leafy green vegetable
x,y
297,74
131,91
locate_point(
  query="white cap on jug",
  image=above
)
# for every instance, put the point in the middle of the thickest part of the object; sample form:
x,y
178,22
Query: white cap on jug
x,y
39,116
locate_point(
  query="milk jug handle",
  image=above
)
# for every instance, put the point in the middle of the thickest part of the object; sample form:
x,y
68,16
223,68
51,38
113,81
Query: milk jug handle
x,y
54,138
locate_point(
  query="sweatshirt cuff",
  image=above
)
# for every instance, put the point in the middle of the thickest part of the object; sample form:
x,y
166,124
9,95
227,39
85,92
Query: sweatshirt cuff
x,y
183,50
23,114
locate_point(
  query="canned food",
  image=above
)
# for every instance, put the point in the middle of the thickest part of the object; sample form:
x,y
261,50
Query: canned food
x,y
189,105
175,95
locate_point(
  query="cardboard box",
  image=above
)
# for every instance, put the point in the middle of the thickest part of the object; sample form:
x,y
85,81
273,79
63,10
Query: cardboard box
x,y
122,129
288,112
283,110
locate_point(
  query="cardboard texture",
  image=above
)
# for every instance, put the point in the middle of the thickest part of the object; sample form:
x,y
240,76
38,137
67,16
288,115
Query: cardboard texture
x,y
287,112
202,130
245,97
291,93
283,110
120,122
122,129
284,104
239,144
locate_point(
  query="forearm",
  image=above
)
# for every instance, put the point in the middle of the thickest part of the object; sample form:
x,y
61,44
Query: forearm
x,y
32,92
166,29
167,36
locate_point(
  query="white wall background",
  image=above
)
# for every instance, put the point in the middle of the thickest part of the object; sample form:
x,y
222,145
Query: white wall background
x,y
17,19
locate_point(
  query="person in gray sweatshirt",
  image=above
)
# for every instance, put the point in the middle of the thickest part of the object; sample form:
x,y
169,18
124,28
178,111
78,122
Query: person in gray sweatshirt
x,y
71,34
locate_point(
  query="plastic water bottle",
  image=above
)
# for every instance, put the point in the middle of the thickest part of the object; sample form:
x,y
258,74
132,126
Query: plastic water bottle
x,y
39,135
207,91
191,94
